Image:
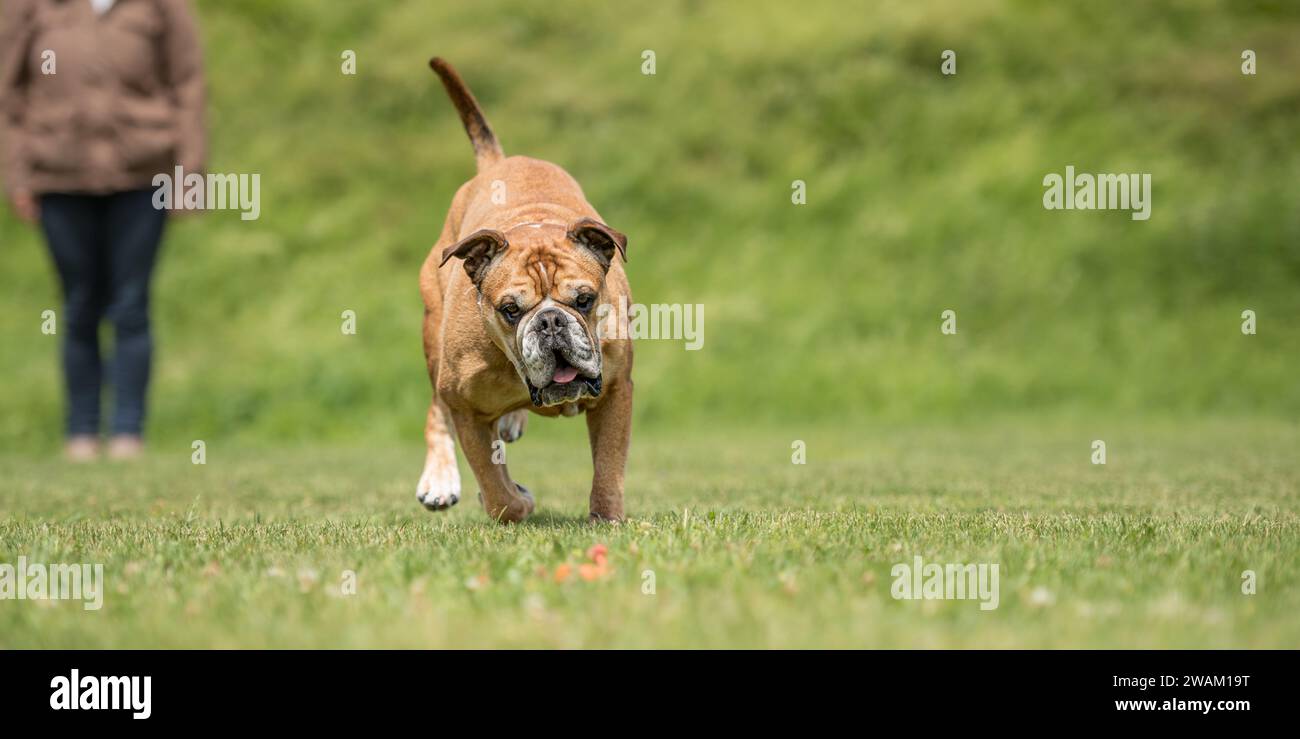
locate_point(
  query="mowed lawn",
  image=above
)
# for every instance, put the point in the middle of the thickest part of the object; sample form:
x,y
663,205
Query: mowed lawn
x,y
742,547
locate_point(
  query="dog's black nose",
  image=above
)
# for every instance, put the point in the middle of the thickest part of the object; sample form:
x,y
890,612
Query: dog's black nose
x,y
549,321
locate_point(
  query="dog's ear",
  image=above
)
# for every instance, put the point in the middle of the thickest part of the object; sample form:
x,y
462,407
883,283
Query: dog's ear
x,y
477,250
599,239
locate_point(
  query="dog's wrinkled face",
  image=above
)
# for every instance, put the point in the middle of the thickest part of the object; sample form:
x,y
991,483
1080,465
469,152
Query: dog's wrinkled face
x,y
538,287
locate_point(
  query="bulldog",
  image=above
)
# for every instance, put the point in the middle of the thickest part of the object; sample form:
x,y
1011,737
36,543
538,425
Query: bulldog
x,y
512,293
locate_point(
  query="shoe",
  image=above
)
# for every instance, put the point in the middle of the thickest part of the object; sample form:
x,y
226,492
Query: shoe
x,y
81,448
125,446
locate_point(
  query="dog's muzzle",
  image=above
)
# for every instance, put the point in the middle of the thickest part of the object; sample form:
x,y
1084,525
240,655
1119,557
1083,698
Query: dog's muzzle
x,y
560,361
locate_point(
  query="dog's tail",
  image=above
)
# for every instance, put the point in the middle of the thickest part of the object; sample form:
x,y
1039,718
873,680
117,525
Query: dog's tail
x,y
486,149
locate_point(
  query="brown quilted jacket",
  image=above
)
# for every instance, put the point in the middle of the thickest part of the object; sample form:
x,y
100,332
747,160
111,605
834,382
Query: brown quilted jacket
x,y
98,103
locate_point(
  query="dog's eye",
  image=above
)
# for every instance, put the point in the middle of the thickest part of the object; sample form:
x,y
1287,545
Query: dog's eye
x,y
510,311
584,302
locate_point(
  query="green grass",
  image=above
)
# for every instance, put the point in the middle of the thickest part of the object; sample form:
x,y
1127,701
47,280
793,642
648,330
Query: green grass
x,y
822,323
747,549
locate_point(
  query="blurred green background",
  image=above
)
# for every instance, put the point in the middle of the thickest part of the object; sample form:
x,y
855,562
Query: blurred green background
x,y
923,194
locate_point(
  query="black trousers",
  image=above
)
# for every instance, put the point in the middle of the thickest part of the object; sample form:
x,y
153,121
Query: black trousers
x,y
104,247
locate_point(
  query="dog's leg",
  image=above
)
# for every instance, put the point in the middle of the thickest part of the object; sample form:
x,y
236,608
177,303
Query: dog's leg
x,y
439,486
503,500
511,426
609,428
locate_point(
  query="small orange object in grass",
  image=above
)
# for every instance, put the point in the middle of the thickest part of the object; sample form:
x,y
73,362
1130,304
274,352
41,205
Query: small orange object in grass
x,y
597,568
599,565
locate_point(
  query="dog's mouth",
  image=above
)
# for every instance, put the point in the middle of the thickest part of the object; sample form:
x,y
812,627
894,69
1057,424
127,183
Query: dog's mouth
x,y
564,372
568,383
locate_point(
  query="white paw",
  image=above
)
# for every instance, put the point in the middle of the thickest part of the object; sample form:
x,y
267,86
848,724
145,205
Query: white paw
x,y
439,489
511,426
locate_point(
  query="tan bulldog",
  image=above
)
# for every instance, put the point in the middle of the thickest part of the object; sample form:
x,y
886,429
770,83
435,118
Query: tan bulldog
x,y
512,292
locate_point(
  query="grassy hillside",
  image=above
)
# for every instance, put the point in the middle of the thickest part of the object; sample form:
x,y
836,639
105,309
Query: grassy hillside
x,y
822,325
924,194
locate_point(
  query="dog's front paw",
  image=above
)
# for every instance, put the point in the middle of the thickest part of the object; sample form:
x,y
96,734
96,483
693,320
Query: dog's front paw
x,y
514,511
439,489
511,426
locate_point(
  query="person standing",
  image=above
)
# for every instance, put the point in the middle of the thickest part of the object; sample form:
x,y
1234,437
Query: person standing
x,y
96,98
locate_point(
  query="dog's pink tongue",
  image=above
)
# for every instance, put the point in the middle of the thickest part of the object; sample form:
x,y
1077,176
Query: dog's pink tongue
x,y
565,374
